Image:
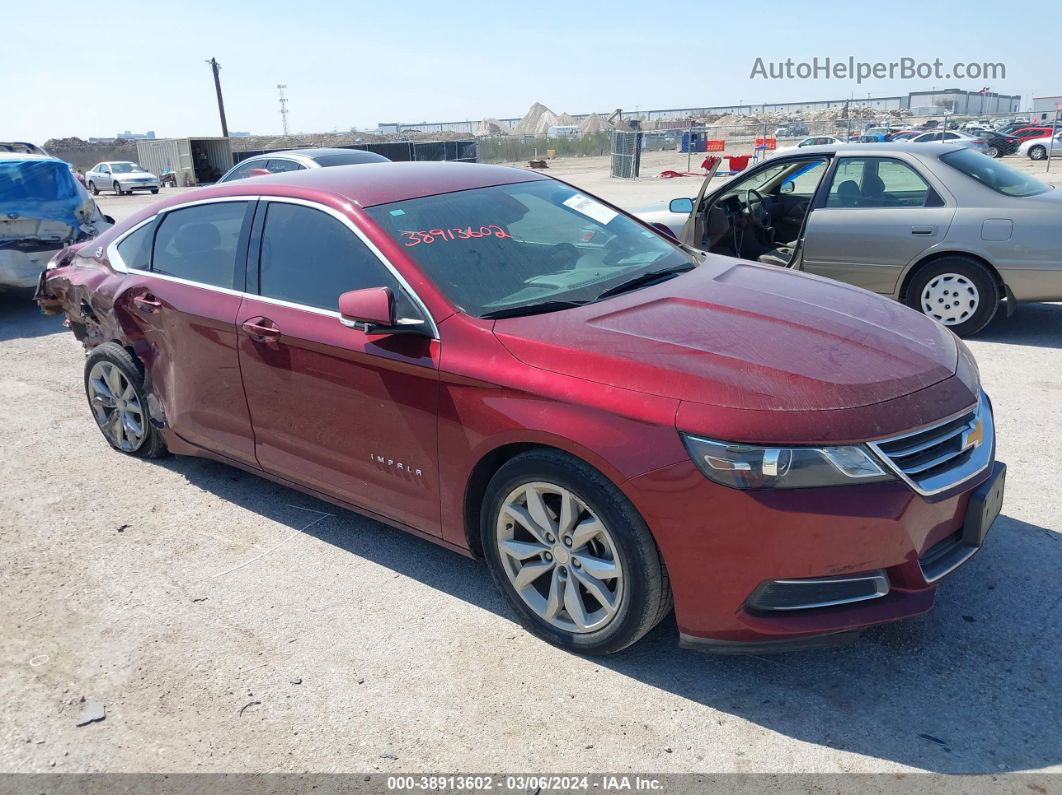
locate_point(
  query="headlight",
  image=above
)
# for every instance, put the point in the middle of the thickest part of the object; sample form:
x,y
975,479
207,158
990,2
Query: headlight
x,y
743,466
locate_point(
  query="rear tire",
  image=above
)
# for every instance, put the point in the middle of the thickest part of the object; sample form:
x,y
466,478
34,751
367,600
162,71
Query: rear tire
x,y
1038,152
114,385
956,291
154,190
993,151
598,545
92,187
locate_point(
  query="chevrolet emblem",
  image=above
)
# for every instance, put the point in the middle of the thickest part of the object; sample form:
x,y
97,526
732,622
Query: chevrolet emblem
x,y
974,436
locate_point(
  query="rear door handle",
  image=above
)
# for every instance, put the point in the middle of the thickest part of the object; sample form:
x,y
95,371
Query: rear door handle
x,y
147,303
261,329
923,230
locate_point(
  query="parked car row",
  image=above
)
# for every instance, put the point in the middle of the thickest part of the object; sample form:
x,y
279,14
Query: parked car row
x,y
622,424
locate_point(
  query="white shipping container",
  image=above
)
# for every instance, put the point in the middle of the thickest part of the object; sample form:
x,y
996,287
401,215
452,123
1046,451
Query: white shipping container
x,y
195,160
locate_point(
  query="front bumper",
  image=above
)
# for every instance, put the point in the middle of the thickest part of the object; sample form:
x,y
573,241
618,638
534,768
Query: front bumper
x,y
128,186
720,545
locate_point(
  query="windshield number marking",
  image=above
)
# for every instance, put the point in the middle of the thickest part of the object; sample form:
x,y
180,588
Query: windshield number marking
x,y
429,236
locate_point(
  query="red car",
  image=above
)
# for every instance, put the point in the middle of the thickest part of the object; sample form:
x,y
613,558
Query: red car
x,y
498,362
1027,133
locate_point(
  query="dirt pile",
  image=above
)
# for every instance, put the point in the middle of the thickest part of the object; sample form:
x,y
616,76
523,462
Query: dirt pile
x,y
536,121
593,124
489,127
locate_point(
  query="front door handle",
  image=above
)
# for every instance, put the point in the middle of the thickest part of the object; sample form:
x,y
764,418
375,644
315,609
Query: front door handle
x,y
147,303
261,329
923,230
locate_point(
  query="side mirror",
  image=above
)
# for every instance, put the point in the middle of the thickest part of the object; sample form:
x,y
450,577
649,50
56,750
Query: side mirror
x,y
372,311
682,206
665,230
371,308
787,187
258,172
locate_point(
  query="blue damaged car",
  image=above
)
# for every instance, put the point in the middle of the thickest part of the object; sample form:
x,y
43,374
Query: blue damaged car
x,y
43,209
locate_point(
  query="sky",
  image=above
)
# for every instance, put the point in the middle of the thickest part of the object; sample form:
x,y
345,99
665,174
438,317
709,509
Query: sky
x,y
350,65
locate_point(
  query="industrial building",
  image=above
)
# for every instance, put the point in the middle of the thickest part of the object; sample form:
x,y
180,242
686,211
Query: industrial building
x,y
921,103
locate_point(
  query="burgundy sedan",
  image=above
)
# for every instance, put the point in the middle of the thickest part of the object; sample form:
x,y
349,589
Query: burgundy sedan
x,y
498,362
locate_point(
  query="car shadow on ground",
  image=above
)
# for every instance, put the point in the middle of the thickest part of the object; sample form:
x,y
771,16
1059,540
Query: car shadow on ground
x,y
1031,324
21,318
973,687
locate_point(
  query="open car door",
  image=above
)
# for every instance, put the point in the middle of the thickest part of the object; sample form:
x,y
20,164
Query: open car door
x,y
693,231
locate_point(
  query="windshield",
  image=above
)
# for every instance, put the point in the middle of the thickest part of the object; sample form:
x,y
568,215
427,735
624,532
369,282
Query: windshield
x,y
125,168
993,174
507,246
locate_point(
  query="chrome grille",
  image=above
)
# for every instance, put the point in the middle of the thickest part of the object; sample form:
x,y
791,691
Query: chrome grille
x,y
942,455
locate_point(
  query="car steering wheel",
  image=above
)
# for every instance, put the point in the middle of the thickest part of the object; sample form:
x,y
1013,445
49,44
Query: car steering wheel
x,y
756,209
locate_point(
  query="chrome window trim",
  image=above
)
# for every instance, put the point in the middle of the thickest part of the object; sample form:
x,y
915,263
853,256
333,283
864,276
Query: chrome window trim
x,y
120,265
982,409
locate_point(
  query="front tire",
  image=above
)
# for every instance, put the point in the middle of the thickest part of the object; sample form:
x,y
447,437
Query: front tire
x,y
993,151
154,190
114,385
956,291
1038,152
117,189
571,554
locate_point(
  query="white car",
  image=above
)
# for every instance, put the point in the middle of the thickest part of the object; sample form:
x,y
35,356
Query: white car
x,y
121,176
1038,148
814,140
950,137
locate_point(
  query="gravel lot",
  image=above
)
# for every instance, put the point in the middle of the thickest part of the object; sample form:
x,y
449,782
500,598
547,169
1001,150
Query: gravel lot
x,y
231,625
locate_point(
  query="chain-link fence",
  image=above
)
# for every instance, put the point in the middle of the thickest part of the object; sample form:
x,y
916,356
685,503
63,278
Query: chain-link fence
x,y
1028,137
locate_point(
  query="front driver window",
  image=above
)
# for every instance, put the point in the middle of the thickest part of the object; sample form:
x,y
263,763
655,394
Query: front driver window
x,y
310,258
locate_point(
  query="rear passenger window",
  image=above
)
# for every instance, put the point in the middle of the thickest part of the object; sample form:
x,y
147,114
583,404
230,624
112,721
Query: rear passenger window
x,y
135,250
876,182
309,257
199,243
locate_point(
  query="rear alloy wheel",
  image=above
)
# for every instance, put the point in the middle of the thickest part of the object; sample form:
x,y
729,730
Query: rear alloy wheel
x,y
571,554
1038,152
92,187
992,151
115,389
957,292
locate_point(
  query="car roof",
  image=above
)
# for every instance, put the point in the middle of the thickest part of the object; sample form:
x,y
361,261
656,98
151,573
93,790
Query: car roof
x,y
311,153
114,162
369,184
27,156
880,149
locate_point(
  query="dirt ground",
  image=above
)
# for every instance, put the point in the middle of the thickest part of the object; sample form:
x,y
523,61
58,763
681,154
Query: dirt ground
x,y
230,625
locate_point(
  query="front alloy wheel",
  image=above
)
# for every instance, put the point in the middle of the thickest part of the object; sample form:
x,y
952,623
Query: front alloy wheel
x,y
571,554
1038,152
559,557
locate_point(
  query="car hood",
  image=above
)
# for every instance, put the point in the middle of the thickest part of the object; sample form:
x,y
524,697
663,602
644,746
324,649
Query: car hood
x,y
743,336
131,175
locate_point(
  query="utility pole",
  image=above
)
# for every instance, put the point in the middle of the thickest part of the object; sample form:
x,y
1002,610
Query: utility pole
x,y
281,88
216,67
